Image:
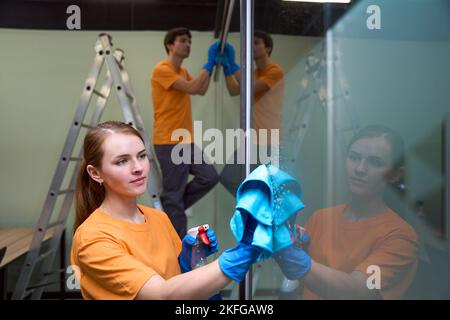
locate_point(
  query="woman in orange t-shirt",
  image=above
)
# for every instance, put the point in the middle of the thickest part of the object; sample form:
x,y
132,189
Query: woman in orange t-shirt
x,y
122,250
362,249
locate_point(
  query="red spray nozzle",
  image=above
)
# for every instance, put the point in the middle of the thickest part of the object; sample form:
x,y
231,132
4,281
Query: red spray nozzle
x,y
202,234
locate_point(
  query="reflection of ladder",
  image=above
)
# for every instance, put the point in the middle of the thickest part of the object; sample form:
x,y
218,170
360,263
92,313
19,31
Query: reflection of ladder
x,y
314,93
313,89
117,77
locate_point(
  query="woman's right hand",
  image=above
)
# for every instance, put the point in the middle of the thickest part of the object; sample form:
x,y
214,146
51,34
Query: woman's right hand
x,y
236,261
294,261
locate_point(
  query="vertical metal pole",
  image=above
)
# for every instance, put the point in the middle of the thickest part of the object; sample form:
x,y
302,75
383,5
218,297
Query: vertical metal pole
x,y
331,115
245,290
445,152
228,14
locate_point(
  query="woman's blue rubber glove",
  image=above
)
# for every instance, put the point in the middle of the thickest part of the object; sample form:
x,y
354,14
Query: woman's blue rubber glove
x,y
184,259
236,261
212,55
229,60
294,261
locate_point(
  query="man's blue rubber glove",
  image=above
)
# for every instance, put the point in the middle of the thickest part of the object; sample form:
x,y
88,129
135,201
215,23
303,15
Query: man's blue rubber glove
x,y
184,259
212,54
294,261
229,60
236,261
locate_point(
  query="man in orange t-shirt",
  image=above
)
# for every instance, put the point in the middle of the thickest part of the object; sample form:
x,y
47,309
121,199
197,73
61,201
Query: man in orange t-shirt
x,y
268,93
171,87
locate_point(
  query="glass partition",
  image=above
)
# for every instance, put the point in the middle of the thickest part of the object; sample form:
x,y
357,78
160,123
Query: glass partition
x,y
364,130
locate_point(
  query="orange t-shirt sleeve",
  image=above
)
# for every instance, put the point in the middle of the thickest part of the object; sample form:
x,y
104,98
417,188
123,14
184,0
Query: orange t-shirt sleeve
x,y
107,263
165,76
272,77
396,257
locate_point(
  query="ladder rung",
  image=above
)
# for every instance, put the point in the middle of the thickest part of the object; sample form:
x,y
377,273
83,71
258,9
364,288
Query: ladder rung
x,y
297,128
27,293
54,271
130,96
119,64
60,192
44,255
98,93
84,125
303,98
39,285
56,223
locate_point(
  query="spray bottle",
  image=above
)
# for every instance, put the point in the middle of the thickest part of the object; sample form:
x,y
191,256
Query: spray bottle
x,y
198,256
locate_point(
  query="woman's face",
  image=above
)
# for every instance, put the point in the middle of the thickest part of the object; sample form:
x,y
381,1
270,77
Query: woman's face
x,y
369,162
125,166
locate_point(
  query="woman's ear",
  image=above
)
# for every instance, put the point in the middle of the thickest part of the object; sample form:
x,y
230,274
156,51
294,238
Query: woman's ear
x,y
94,173
396,175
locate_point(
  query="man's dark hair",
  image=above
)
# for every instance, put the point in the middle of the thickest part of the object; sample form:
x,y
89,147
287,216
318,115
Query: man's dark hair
x,y
172,34
266,38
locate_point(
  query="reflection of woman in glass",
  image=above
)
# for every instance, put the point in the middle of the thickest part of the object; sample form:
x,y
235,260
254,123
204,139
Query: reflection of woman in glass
x,y
361,249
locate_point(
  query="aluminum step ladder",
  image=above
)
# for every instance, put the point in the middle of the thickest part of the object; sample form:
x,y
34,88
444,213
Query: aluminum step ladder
x,y
117,77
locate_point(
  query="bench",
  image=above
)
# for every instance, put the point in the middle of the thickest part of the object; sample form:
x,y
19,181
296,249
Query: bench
x,y
14,243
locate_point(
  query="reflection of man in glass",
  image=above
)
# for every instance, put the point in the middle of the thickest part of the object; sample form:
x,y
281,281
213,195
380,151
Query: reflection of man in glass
x,y
352,244
268,90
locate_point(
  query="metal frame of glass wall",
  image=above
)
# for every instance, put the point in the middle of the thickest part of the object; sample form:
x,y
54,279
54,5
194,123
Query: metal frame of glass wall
x,y
246,114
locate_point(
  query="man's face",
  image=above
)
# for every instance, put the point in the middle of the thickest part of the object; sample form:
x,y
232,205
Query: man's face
x,y
181,46
259,49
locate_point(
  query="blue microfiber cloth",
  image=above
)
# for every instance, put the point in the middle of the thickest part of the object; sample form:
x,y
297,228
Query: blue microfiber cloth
x,y
267,202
